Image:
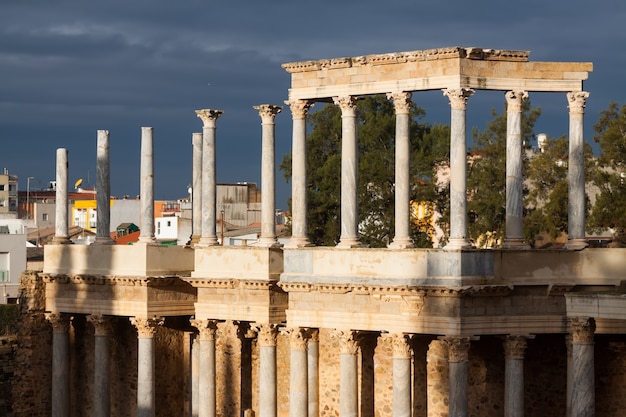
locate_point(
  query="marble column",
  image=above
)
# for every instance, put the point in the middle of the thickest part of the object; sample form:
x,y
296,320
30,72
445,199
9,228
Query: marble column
x,y
102,376
458,349
576,172
349,172
195,376
103,190
61,235
208,235
348,373
583,381
514,234
298,374
401,376
268,406
458,168
299,234
313,372
514,350
207,399
402,104
60,364
146,187
146,329
268,237
196,188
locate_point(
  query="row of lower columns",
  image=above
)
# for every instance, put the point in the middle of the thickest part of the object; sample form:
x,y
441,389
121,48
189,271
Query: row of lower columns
x,y
304,383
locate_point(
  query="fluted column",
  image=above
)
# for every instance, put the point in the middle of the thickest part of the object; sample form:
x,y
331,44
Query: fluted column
x,y
583,381
514,235
209,186
298,376
458,168
207,399
401,376
60,364
313,372
102,377
103,190
576,172
348,373
458,349
268,113
61,235
196,188
514,350
349,172
299,235
146,329
146,187
402,104
267,370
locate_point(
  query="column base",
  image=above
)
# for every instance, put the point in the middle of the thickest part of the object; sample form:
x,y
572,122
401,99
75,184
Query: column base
x,y
298,242
401,243
61,240
104,241
269,242
207,241
149,241
514,243
458,244
349,242
576,244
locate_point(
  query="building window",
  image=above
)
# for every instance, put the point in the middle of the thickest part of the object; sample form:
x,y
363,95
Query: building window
x,y
44,217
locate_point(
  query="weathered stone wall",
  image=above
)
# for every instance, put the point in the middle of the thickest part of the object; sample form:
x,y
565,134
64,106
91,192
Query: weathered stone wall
x,y
8,344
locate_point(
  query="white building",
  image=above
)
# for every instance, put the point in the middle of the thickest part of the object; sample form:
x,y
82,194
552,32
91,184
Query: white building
x,y
12,258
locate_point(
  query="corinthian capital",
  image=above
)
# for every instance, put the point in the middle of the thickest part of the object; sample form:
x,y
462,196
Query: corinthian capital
x,y
348,341
515,346
268,112
298,338
514,100
60,322
458,348
146,327
267,334
347,104
582,329
209,116
299,108
401,101
458,97
401,346
577,101
207,328
102,324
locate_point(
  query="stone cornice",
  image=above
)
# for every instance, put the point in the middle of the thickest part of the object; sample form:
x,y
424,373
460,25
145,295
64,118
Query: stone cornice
x,y
407,290
165,281
231,283
409,56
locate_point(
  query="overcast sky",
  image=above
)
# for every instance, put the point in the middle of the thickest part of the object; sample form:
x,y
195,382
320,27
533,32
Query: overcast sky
x,y
69,68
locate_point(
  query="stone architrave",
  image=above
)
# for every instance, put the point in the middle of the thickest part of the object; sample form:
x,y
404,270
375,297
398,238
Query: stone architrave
x,y
514,351
313,371
458,350
514,235
196,188
103,190
61,235
458,168
401,375
576,172
60,364
402,105
298,377
268,113
348,373
299,234
102,377
208,236
267,334
583,381
146,329
207,399
146,187
349,172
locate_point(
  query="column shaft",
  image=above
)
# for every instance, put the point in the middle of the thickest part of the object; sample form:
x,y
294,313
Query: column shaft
x,y
349,172
61,227
313,373
583,381
299,236
146,190
402,103
514,349
195,377
458,348
60,365
458,169
514,235
576,172
348,373
298,377
102,353
103,190
145,365
401,376
209,186
268,182
196,188
267,370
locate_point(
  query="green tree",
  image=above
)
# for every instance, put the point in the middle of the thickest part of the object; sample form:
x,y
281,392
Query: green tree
x,y
376,140
609,210
486,181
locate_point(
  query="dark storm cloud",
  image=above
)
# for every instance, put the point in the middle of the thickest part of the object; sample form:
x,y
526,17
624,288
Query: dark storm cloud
x,y
69,68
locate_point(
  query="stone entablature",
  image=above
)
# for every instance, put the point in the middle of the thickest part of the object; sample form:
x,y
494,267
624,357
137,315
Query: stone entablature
x,y
441,68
